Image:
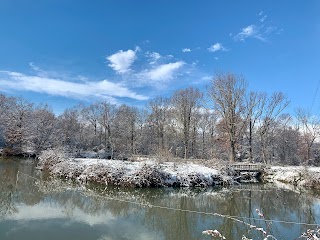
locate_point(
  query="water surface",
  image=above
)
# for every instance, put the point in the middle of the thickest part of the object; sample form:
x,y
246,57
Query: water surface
x,y
34,207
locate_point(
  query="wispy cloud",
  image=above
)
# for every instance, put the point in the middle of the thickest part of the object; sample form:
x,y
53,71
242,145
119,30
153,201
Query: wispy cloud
x,y
39,71
261,30
122,60
163,72
78,90
263,17
251,31
217,47
186,50
206,78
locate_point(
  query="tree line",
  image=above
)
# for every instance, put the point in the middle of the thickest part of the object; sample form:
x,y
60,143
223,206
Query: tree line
x,y
226,122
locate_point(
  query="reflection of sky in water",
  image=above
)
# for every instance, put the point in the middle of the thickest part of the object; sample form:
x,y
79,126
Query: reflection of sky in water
x,y
50,221
47,211
40,210
71,215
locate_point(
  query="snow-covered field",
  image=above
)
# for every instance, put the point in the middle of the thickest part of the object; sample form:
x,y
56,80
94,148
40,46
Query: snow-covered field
x,y
125,173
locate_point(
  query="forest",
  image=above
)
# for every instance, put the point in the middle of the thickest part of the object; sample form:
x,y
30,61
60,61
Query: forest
x,y
225,121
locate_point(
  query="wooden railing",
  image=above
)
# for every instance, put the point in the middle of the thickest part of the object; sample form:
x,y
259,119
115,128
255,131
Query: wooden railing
x,y
248,167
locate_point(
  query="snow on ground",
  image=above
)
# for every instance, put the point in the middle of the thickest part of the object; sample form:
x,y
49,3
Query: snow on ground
x,y
296,175
151,173
126,173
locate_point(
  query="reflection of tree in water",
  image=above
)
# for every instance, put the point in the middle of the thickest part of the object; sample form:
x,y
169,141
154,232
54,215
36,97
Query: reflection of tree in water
x,y
275,204
243,203
181,225
7,191
173,224
94,200
15,188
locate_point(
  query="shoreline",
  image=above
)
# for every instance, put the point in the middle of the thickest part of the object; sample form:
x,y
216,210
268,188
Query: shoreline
x,y
131,174
152,173
300,176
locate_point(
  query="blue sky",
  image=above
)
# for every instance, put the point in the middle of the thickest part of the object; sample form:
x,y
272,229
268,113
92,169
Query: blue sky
x,y
63,52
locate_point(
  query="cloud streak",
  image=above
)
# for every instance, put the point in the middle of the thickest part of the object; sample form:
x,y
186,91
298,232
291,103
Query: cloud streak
x,y
101,89
164,72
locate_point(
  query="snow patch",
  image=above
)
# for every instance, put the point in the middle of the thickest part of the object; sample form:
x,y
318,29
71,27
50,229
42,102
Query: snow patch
x,y
297,175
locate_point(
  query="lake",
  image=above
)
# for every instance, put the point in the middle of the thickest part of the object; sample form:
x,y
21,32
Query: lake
x,y
34,206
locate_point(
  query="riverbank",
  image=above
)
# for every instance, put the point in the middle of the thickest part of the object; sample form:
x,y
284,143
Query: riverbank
x,y
301,176
152,173
131,174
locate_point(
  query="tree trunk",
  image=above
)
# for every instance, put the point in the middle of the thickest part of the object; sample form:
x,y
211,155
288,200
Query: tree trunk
x,y
250,142
264,154
203,144
185,149
233,152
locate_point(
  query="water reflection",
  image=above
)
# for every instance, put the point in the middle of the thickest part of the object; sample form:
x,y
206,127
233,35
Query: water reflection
x,y
35,208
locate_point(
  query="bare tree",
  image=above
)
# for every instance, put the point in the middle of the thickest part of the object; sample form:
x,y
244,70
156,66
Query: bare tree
x,y
227,92
287,140
91,115
255,103
272,108
106,118
125,130
185,102
44,122
309,127
143,136
207,124
19,127
6,104
157,121
69,130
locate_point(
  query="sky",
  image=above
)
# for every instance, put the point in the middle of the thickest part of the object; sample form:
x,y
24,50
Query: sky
x,y
64,52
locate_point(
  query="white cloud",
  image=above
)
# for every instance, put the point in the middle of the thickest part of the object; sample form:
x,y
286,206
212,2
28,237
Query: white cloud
x,y
251,31
164,72
186,50
153,56
54,86
122,60
261,30
216,47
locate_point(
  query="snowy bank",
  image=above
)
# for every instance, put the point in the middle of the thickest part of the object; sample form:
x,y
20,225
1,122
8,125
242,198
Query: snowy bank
x,y
296,175
134,174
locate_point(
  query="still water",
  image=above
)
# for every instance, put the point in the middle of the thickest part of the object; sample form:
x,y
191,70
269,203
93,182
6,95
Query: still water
x,y
34,207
